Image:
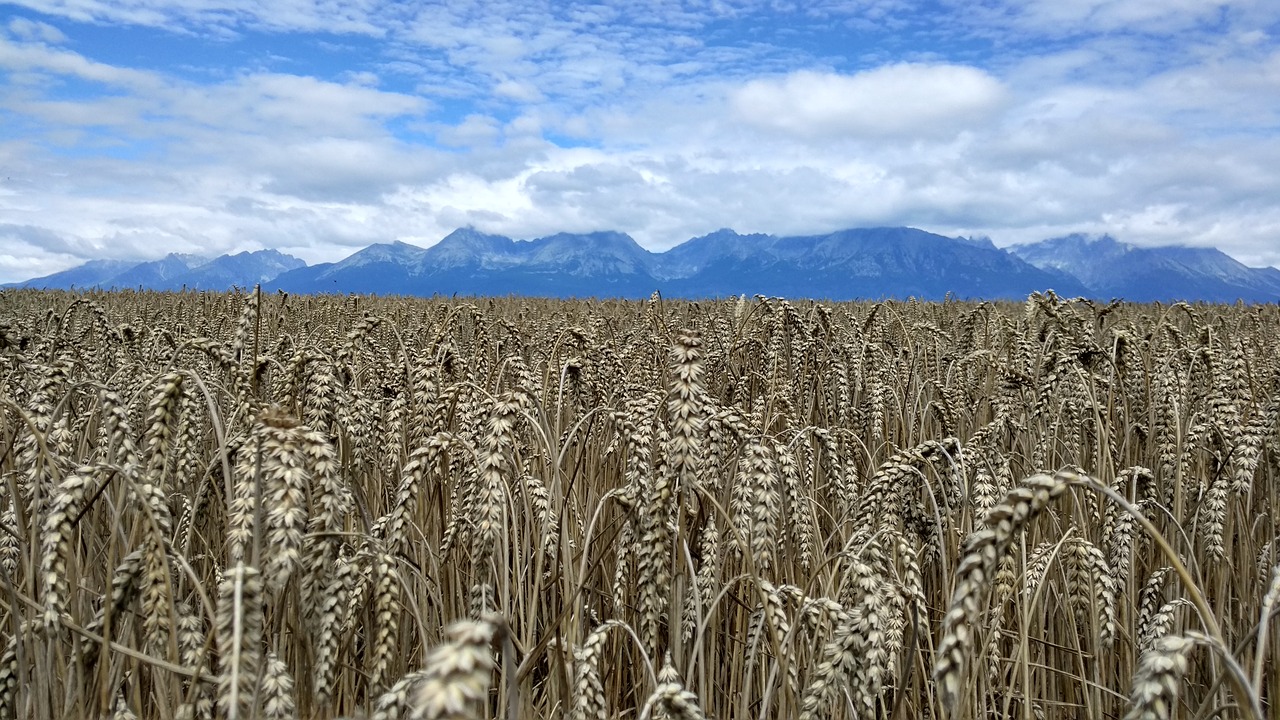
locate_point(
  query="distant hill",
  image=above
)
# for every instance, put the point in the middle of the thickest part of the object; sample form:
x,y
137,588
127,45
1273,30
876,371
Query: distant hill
x,y
172,272
1113,269
89,275
860,263
158,274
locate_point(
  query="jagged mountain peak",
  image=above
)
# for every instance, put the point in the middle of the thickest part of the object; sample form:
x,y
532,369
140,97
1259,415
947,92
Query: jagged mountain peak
x,y
1074,243
191,260
602,241
468,245
602,253
721,233
244,269
470,237
981,241
395,251
688,257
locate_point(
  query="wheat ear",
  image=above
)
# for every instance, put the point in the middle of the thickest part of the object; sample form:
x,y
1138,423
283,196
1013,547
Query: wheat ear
x,y
983,551
239,640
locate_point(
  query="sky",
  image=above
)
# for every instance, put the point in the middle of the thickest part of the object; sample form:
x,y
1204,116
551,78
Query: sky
x,y
137,128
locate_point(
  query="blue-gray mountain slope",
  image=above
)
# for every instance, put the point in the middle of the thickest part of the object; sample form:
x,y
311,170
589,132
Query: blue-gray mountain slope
x,y
467,262
864,263
173,272
89,275
243,270
1113,269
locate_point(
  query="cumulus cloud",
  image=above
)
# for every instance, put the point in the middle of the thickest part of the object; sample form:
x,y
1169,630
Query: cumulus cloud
x,y
28,29
901,100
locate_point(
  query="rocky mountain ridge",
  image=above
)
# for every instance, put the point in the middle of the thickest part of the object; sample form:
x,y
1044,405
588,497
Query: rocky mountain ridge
x,y
858,263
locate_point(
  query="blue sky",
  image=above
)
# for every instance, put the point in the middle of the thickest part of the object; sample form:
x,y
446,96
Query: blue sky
x,y
132,129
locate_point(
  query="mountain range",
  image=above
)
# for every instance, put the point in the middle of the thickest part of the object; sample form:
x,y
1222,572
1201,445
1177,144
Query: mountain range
x,y
862,263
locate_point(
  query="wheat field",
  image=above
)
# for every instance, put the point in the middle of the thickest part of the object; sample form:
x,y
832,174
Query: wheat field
x,y
252,505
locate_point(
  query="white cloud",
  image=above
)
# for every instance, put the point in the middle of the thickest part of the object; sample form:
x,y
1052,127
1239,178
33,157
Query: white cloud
x,y
474,130
299,103
364,78
356,16
27,57
34,30
903,100
1157,17
517,90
